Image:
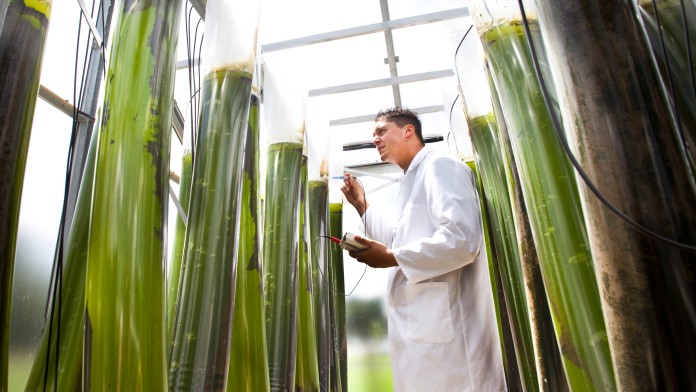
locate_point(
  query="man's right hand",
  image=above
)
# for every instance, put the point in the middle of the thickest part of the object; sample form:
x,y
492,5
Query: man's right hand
x,y
354,192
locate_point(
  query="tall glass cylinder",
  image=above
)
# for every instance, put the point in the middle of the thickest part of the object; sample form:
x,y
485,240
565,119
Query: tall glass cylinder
x,y
284,110
248,370
22,39
202,332
126,252
670,26
551,194
307,369
339,367
318,217
483,129
177,257
549,365
619,122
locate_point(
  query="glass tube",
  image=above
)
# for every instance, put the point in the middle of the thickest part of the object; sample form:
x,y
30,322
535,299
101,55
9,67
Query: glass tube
x,y
284,111
202,332
318,217
673,22
128,218
248,370
22,42
483,129
551,194
624,136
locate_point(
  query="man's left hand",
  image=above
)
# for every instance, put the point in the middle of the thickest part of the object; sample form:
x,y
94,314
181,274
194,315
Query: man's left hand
x,y
377,255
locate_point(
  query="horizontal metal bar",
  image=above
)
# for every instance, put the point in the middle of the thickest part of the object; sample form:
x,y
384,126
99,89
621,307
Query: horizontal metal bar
x,y
344,88
367,29
61,104
178,122
371,117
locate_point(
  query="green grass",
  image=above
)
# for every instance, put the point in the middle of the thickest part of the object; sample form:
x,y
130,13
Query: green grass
x,y
369,372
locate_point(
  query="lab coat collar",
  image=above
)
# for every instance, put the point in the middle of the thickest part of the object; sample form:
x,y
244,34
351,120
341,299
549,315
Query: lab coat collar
x,y
418,158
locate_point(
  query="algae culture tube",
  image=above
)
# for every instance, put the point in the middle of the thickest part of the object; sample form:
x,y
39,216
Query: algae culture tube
x,y
483,130
318,216
551,195
284,111
306,368
619,123
22,39
128,219
200,349
248,370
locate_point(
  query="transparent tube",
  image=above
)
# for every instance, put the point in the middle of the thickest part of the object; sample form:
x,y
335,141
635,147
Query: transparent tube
x,y
248,369
551,194
202,332
307,368
174,275
128,217
284,111
21,52
483,129
280,258
549,365
672,22
319,256
626,140
317,204
339,367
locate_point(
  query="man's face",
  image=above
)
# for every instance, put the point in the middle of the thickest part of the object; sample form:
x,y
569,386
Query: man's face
x,y
388,137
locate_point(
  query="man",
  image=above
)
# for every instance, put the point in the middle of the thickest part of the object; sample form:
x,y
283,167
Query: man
x,y
443,333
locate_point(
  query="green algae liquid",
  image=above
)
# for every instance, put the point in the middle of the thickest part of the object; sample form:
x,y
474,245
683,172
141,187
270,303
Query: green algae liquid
x,y
556,218
483,131
200,347
248,367
281,237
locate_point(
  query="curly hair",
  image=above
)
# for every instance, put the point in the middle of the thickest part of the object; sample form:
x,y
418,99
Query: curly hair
x,y
402,116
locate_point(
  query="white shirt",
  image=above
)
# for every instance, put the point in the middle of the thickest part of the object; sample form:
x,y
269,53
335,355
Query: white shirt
x,y
443,332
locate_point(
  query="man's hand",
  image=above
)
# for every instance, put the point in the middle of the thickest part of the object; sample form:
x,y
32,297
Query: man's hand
x,y
354,192
377,255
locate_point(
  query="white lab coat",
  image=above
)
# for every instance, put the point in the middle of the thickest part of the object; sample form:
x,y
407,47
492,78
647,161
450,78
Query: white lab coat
x,y
443,333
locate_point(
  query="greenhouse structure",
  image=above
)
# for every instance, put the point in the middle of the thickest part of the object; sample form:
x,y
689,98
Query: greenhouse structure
x,y
171,205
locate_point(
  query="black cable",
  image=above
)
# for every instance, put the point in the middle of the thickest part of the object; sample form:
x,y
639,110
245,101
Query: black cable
x,y
57,283
571,157
456,69
328,283
192,124
668,70
451,132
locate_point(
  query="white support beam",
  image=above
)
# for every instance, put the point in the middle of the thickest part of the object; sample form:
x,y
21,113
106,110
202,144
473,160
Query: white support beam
x,y
445,73
351,32
367,29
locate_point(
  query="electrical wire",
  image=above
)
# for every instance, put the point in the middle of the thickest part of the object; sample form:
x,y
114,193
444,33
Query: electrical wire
x,y
451,132
59,256
571,156
456,70
335,241
671,92
324,278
